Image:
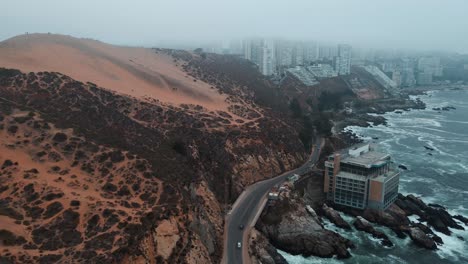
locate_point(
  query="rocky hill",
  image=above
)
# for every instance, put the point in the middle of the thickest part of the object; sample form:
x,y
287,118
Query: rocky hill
x,y
332,93
110,158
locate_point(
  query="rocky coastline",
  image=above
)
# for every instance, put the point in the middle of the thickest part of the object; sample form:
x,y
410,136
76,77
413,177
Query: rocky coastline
x,y
295,225
430,217
368,113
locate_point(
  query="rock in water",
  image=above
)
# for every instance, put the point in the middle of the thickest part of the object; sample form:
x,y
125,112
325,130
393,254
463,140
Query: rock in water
x,y
362,224
262,251
291,227
428,148
420,238
429,232
441,220
335,217
462,218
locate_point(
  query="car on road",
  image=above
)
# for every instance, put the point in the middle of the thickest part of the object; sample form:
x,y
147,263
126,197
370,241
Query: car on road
x,y
239,244
241,226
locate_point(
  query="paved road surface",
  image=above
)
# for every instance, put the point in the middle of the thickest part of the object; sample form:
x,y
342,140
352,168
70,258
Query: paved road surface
x,y
248,207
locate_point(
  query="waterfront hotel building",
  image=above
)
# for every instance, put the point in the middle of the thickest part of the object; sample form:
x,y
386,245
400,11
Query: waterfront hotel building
x,y
361,177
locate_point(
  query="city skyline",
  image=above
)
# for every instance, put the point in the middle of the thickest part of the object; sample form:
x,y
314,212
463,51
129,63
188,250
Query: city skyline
x,y
416,25
310,62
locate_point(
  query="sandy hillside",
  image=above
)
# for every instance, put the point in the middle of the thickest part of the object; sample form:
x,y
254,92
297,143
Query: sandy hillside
x,y
138,72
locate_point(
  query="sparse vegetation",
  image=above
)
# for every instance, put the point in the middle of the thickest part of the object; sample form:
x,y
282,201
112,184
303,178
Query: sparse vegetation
x,y
135,156
179,147
295,108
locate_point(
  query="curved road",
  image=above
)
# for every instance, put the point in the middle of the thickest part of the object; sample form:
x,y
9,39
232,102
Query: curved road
x,y
248,208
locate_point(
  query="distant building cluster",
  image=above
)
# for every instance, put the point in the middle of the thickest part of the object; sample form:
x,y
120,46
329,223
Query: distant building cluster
x,y
411,71
343,60
305,76
281,56
321,71
311,61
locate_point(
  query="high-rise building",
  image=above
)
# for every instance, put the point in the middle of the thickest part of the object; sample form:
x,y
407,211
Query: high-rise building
x,y
311,52
407,72
290,54
387,66
343,60
262,53
424,78
235,46
407,78
284,54
298,54
396,77
267,61
430,65
361,177
247,49
325,52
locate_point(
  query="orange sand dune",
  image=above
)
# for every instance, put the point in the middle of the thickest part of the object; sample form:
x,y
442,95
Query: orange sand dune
x,y
138,72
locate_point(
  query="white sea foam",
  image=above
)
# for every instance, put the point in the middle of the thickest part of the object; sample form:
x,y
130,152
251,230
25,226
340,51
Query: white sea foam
x,y
291,259
396,259
437,178
415,122
414,218
453,247
418,180
450,140
397,141
454,121
461,209
442,131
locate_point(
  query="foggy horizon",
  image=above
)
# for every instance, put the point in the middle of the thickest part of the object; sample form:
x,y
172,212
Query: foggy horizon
x,y
399,25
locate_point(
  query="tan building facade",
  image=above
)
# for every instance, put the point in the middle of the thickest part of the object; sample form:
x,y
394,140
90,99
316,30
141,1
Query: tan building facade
x,y
361,177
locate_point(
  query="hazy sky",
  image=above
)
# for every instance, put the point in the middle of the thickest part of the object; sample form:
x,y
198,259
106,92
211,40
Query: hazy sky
x,y
413,24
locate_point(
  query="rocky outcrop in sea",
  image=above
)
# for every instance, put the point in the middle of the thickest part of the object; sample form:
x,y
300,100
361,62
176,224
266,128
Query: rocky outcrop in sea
x,y
291,225
430,216
294,227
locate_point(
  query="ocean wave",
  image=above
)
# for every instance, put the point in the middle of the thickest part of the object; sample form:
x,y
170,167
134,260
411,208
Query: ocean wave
x,y
414,218
454,121
453,247
298,259
414,121
460,209
442,131
441,177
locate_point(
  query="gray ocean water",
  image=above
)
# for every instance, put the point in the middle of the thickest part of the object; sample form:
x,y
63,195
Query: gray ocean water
x,y
438,176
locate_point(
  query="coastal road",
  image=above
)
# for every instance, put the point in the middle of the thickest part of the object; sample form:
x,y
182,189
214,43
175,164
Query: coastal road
x,y
248,208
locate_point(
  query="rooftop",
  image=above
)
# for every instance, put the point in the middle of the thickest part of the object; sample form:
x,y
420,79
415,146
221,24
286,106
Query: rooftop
x,y
303,75
322,70
369,159
363,155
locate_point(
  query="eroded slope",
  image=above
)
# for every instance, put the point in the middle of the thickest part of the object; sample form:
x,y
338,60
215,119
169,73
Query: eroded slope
x,y
127,180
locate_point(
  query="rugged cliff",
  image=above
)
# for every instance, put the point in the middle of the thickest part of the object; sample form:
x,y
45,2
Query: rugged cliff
x,y
293,226
93,175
